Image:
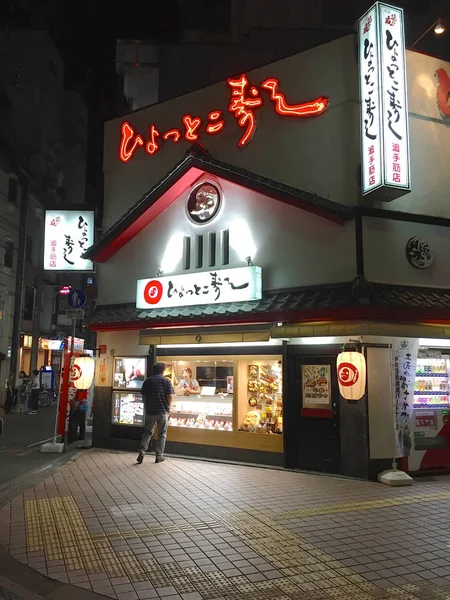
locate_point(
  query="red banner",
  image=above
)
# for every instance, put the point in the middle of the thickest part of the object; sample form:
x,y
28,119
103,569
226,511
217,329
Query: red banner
x,y
67,392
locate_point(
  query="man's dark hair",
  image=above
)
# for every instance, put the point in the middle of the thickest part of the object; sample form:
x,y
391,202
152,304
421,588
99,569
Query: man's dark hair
x,y
158,368
35,372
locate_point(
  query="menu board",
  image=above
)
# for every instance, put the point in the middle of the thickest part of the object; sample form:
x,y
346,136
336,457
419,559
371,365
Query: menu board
x,y
127,409
316,385
129,372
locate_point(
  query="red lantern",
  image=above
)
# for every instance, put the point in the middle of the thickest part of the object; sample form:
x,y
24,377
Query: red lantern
x,y
351,374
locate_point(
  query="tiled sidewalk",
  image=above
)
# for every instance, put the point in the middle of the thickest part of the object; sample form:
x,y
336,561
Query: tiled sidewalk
x,y
195,530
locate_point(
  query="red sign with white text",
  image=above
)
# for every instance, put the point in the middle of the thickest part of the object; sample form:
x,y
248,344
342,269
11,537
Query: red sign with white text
x,y
245,98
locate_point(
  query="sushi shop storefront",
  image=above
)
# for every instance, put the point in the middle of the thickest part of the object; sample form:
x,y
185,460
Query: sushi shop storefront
x,y
221,264
250,349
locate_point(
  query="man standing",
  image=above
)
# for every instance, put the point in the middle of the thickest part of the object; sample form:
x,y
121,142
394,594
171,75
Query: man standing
x,y
35,389
158,393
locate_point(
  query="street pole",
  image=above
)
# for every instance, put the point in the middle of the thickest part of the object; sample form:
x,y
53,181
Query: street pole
x,y
20,276
38,285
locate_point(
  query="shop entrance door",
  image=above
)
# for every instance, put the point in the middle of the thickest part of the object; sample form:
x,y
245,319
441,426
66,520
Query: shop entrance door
x,y
313,436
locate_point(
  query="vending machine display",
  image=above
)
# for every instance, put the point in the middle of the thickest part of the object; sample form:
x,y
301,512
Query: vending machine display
x,y
430,420
127,409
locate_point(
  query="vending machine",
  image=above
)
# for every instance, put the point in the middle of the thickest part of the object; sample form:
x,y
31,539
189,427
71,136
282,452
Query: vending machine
x,y
431,412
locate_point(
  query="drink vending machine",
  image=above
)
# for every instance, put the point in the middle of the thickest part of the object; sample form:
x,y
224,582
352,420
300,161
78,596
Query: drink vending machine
x,y
431,414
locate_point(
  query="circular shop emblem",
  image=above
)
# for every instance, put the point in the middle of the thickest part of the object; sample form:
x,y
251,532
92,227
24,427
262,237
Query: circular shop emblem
x,y
203,203
419,253
153,291
76,373
348,374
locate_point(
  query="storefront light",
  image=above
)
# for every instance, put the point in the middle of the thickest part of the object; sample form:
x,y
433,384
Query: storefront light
x,y
173,253
241,240
351,374
83,372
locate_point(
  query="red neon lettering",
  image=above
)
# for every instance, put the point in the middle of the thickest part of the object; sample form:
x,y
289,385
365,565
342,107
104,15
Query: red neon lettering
x,y
241,106
215,115
125,152
191,124
307,109
152,145
443,93
173,133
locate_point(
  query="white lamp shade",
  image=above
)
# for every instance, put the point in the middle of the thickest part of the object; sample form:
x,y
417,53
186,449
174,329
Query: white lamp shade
x,y
83,372
351,374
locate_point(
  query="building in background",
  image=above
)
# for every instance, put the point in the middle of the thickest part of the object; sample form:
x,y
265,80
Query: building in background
x,y
43,138
235,36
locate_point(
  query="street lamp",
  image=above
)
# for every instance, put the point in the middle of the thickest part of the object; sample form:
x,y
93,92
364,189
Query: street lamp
x,y
438,27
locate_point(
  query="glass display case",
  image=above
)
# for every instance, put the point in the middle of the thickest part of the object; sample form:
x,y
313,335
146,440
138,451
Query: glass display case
x,y
129,372
260,397
203,393
127,409
229,393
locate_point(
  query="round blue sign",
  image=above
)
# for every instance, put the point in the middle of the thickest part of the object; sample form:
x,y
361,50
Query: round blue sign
x,y
76,298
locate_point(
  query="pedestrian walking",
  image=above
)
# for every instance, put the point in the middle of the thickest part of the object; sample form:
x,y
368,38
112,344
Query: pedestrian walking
x,y
22,384
34,396
158,394
10,393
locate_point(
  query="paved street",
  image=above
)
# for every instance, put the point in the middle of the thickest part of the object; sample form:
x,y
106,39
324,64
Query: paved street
x,y
196,530
18,454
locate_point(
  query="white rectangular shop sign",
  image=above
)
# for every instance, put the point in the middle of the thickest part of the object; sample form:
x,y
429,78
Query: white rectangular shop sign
x,y
209,287
383,96
68,234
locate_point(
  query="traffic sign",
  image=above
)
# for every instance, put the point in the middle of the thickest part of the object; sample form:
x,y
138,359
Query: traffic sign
x,y
75,313
76,298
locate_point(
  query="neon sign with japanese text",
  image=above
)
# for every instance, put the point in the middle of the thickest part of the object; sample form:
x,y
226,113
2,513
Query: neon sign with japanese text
x,y
245,99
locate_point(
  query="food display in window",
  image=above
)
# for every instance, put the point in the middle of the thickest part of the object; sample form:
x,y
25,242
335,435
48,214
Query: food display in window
x,y
203,413
264,396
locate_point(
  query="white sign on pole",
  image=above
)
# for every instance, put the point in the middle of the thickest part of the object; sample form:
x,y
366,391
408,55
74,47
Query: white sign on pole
x,y
383,96
210,287
68,234
75,313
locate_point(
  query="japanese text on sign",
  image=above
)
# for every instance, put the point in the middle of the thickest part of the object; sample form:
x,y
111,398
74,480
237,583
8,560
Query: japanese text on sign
x,y
395,110
68,234
384,113
245,99
211,287
404,359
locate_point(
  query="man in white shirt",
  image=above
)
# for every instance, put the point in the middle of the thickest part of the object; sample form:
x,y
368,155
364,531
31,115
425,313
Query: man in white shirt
x,y
34,396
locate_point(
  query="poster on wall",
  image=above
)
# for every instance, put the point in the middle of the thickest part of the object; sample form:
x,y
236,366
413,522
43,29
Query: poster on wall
x,y
129,372
404,360
127,409
316,386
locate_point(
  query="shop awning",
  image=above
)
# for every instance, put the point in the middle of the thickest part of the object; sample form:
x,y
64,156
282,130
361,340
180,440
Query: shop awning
x,y
350,302
209,335
361,328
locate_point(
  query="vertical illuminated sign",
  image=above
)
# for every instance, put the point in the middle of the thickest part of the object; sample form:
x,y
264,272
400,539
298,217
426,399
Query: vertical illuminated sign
x,y
383,96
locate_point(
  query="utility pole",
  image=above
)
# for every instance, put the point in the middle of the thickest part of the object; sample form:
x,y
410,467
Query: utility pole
x,y
38,283
20,275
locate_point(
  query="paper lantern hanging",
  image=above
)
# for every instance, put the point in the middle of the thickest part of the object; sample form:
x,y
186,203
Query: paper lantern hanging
x,y
351,374
83,372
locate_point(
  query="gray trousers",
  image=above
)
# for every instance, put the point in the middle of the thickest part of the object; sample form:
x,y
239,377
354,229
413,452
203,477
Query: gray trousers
x,y
161,421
